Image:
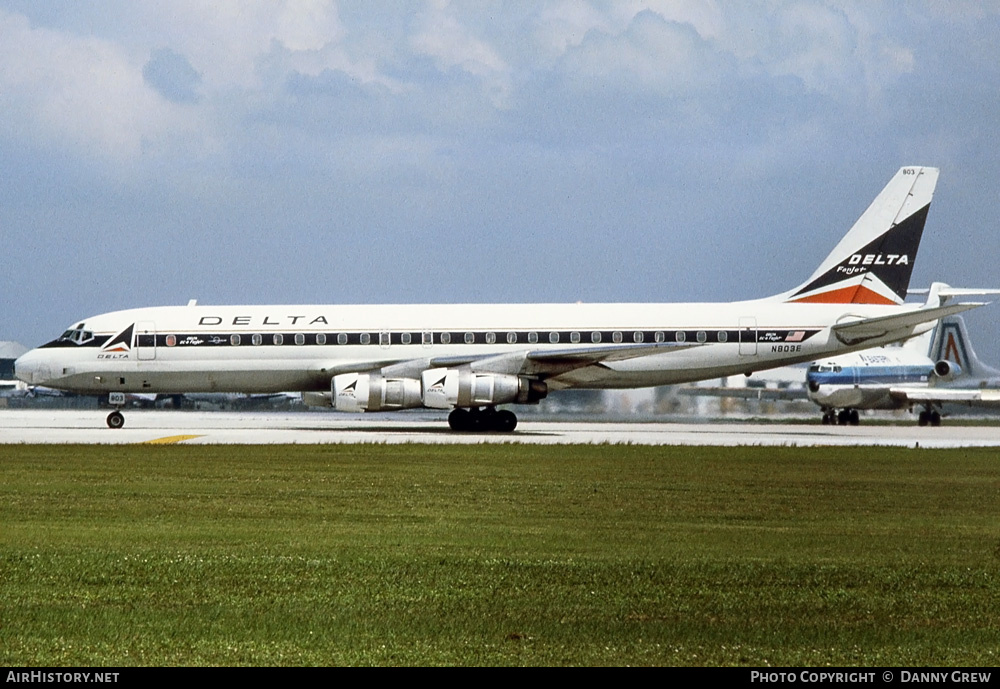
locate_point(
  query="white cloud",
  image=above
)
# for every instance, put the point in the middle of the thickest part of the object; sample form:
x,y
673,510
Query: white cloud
x,y
652,54
81,92
308,24
565,23
454,46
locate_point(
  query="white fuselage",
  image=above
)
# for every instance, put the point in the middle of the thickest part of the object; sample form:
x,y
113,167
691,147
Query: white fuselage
x,y
257,349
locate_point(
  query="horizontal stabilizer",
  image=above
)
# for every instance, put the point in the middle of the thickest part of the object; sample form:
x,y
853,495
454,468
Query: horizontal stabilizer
x,y
897,326
976,396
745,393
947,292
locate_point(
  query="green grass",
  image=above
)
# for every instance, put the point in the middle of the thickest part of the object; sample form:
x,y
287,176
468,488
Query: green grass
x,y
498,555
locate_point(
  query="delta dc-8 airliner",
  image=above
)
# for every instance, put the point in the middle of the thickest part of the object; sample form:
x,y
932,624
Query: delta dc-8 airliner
x,y
470,359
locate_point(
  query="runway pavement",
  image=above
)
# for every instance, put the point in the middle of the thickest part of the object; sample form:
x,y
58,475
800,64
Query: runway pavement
x,y
254,428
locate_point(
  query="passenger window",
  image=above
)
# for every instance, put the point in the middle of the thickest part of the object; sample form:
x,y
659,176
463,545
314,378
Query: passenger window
x,y
469,338
256,339
554,337
616,337
637,336
702,336
681,336
533,338
511,338
300,339
366,338
405,338
595,336
574,337
234,340
278,339
445,338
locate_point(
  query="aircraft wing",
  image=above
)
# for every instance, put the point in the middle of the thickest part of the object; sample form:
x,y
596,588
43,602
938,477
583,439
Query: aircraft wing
x,y
903,325
539,362
973,397
551,362
745,393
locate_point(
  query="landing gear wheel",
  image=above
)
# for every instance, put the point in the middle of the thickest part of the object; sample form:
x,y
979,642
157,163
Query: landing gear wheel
x,y
489,419
853,418
923,419
935,418
116,419
462,420
506,421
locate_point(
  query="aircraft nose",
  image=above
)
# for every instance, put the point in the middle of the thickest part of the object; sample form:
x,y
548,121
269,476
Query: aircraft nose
x,y
32,368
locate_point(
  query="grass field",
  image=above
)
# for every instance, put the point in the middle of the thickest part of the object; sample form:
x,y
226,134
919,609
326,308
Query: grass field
x,y
498,555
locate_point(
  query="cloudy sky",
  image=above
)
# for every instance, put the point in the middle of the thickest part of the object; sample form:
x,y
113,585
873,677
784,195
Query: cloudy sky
x,y
328,152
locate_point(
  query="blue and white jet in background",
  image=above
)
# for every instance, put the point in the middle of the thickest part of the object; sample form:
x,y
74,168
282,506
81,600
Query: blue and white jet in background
x,y
927,372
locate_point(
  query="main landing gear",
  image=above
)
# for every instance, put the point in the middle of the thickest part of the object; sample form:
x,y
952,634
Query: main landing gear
x,y
482,420
846,417
929,416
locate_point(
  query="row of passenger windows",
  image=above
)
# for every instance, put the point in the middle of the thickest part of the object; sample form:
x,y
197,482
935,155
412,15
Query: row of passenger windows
x,y
428,338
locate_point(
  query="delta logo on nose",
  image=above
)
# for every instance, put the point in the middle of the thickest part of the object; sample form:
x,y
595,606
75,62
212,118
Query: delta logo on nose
x,y
120,343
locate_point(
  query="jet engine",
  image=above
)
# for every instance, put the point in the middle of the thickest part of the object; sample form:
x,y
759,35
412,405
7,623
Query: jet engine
x,y
444,388
317,399
354,392
946,370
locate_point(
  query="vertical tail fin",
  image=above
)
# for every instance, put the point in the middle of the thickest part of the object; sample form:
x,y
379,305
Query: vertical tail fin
x,y
873,262
952,343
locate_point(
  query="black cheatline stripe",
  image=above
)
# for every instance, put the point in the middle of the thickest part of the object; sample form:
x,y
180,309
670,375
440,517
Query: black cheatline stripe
x,y
97,341
478,337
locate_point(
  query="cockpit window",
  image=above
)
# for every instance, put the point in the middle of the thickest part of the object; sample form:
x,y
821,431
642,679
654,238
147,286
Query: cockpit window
x,y
77,335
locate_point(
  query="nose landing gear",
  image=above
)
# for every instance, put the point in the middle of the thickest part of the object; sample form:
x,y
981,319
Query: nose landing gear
x,y
116,419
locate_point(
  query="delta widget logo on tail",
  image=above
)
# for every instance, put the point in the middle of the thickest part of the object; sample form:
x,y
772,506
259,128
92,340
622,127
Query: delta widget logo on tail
x,y
888,235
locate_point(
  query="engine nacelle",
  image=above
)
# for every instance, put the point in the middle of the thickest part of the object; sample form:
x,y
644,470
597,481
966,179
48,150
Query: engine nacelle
x,y
947,370
444,388
317,399
354,392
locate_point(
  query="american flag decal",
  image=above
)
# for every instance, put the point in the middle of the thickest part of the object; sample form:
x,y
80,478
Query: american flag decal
x,y
796,336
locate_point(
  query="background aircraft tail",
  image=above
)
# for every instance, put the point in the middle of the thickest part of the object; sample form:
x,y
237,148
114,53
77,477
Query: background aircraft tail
x,y
873,262
951,343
